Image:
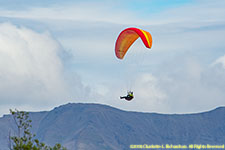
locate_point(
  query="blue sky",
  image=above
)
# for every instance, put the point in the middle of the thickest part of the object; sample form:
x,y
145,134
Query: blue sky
x,y
56,52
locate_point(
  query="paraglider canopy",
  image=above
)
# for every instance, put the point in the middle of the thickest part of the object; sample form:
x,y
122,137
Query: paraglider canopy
x,y
127,37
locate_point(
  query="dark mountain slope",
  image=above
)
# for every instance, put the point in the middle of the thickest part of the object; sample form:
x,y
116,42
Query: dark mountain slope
x,y
95,126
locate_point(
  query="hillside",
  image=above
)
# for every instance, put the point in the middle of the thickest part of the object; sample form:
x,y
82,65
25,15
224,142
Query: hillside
x,y
95,126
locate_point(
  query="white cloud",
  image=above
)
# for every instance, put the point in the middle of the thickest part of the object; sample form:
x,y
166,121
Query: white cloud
x,y
85,11
176,78
31,71
188,87
148,95
29,63
193,87
190,15
221,61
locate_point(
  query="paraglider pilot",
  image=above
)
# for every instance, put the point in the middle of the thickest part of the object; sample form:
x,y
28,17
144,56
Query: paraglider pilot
x,y
129,96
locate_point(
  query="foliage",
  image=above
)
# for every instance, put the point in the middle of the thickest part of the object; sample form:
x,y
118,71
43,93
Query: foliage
x,y
25,139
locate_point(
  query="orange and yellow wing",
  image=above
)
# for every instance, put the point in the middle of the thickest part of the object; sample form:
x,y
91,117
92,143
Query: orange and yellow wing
x,y
127,37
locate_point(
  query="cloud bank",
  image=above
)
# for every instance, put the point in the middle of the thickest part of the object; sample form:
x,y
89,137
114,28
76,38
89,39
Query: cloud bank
x,y
31,70
184,71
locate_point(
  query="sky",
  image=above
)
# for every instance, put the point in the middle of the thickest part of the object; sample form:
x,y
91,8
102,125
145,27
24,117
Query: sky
x,y
56,52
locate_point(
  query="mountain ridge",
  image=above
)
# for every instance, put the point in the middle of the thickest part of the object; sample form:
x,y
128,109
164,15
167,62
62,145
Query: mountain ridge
x,y
97,126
